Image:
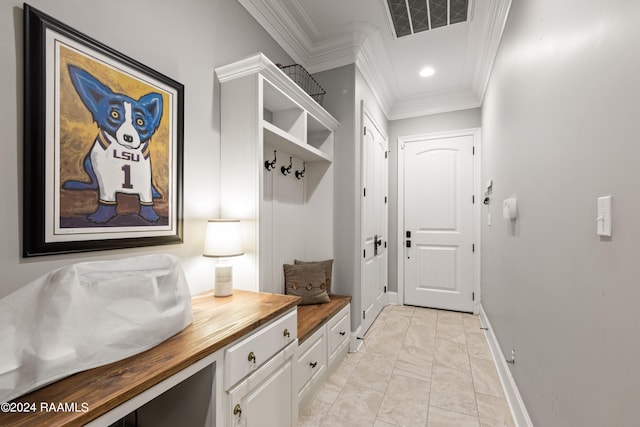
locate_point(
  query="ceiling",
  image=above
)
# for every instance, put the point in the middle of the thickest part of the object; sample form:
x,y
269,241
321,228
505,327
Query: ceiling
x,y
326,34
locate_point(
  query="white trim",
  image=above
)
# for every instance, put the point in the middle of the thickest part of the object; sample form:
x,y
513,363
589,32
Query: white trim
x,y
365,113
276,19
376,72
354,342
292,29
516,405
489,47
214,360
392,298
477,143
259,63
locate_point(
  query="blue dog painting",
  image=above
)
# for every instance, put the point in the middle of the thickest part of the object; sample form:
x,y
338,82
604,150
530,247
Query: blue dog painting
x,y
119,160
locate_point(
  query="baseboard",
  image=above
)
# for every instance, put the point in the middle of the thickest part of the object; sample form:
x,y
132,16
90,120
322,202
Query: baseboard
x,y
355,343
392,298
518,410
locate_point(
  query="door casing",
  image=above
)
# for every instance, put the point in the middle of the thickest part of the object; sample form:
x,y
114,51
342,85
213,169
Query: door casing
x,y
382,300
477,208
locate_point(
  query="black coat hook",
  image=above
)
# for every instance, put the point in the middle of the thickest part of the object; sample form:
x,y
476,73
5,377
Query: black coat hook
x,y
287,170
271,164
300,174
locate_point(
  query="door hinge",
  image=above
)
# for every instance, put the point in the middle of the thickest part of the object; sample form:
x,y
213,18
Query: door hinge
x,y
364,192
473,150
386,154
385,289
365,130
473,247
364,253
364,314
473,296
473,199
385,243
385,199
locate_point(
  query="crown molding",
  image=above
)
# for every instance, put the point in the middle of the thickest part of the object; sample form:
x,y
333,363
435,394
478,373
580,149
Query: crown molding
x,y
361,44
295,5
333,52
434,103
489,47
377,73
274,17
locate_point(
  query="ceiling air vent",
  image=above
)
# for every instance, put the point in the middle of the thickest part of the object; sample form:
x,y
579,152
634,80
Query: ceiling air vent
x,y
414,16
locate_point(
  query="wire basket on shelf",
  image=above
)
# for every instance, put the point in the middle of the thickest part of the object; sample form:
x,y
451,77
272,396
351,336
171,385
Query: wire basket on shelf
x,y
302,78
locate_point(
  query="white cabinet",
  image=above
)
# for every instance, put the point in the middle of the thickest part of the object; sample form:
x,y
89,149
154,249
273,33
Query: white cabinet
x,y
284,215
320,354
266,398
312,363
259,378
246,356
338,329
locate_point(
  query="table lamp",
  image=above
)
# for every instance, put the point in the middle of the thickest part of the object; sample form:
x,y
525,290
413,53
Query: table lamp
x,y
223,240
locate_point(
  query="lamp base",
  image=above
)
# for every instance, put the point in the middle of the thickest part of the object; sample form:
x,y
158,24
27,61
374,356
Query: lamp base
x,y
224,281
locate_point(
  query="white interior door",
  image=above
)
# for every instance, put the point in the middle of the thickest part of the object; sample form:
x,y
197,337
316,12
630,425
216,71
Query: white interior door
x,y
439,223
374,222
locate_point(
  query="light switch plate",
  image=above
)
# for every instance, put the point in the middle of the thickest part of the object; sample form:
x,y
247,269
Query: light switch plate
x,y
603,218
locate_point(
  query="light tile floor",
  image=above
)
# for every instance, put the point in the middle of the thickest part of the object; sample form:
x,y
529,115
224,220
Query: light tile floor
x,y
417,367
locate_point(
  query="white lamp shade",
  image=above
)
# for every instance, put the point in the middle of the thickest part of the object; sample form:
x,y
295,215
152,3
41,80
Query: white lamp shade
x,y
223,238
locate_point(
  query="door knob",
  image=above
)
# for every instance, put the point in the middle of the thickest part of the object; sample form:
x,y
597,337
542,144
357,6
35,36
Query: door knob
x,y
237,410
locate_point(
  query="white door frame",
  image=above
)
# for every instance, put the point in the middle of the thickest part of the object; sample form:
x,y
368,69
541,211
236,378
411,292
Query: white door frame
x,y
477,207
366,112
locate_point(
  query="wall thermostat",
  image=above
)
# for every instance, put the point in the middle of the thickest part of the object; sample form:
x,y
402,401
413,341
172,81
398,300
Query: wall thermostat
x,y
510,209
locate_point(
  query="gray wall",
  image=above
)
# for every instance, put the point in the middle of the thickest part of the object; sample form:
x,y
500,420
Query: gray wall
x,y
561,126
346,88
192,38
456,120
340,85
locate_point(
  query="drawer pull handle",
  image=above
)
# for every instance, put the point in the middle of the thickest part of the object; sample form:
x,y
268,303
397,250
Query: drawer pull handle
x,y
342,334
313,364
237,411
286,333
252,357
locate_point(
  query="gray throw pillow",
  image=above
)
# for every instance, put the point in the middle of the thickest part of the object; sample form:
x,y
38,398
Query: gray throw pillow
x,y
327,265
307,281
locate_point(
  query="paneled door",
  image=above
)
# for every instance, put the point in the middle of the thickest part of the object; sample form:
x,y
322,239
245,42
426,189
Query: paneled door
x,y
374,221
439,223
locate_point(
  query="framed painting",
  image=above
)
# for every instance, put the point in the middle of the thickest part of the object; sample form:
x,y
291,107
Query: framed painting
x,y
103,145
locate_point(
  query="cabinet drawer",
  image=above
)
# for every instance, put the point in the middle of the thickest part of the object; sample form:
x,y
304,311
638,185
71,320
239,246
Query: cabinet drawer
x,y
247,355
311,358
338,329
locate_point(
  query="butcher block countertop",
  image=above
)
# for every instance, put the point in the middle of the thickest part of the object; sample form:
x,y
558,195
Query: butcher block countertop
x,y
216,323
311,317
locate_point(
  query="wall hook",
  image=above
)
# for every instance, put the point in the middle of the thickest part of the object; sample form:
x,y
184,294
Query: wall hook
x,y
271,164
300,174
287,170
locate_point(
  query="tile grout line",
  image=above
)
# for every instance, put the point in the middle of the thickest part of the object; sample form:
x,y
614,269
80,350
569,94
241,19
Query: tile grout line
x,y
394,365
433,362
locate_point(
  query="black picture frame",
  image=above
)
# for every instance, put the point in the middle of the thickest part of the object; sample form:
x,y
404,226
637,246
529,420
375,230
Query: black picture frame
x,y
71,200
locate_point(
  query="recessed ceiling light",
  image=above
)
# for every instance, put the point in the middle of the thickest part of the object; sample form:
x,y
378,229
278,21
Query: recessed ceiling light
x,y
426,72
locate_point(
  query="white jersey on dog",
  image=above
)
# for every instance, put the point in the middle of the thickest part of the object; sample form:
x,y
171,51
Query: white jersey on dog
x,y
121,170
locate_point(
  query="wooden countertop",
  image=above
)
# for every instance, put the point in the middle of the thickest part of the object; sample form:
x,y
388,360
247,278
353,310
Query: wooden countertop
x,y
216,323
310,317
